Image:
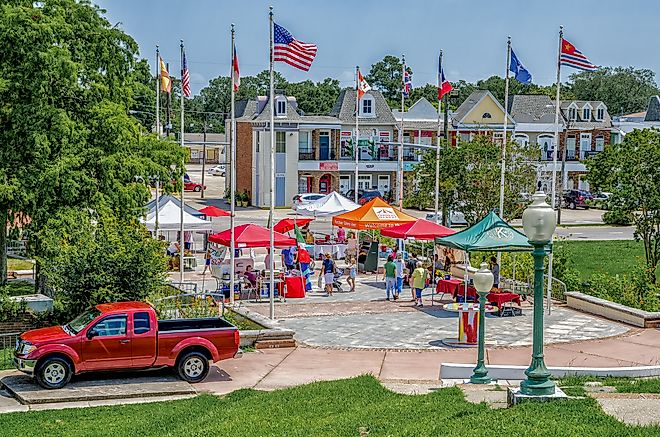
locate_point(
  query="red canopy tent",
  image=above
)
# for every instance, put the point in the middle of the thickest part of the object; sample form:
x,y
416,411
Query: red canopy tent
x,y
288,224
419,230
213,211
251,235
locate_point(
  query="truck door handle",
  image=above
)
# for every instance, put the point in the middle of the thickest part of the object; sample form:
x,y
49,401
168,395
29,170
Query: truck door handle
x,y
123,341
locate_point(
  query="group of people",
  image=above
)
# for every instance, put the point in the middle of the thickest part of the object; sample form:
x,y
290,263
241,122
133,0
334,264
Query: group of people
x,y
396,271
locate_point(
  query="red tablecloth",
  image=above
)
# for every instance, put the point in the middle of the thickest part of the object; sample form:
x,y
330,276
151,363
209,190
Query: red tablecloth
x,y
498,299
295,286
448,286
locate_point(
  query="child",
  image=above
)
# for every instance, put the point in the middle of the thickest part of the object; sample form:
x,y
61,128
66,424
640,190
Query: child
x,y
207,260
352,273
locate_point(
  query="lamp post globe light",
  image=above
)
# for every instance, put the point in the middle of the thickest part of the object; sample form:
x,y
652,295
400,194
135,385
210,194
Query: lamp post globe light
x,y
483,282
539,224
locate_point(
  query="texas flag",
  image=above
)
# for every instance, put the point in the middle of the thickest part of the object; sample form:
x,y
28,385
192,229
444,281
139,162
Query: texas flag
x,y
362,85
443,84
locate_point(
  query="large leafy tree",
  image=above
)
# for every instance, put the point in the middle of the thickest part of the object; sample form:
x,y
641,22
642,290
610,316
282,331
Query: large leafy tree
x,y
68,79
622,89
385,75
631,172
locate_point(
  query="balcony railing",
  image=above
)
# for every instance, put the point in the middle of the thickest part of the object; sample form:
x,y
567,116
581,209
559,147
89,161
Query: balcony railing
x,y
306,155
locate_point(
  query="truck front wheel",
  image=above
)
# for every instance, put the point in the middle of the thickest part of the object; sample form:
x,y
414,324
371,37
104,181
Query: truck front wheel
x,y
193,367
53,372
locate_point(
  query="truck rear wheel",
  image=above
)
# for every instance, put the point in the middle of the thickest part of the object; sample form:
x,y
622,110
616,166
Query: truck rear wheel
x,y
193,366
53,373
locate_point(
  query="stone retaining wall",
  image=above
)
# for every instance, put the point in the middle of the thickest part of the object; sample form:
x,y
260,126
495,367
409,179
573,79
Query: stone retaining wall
x,y
612,311
272,333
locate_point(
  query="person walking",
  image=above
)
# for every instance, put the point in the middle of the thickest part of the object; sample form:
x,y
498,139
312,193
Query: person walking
x,y
390,278
352,273
304,259
418,283
398,262
207,260
328,272
411,265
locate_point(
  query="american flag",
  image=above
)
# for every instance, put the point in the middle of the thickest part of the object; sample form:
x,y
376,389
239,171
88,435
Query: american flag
x,y
185,76
288,49
407,84
572,57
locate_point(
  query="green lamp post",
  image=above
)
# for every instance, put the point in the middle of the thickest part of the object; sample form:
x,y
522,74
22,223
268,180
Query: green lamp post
x,y
539,224
483,282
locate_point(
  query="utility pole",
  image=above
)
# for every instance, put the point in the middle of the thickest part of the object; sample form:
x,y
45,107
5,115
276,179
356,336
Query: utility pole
x,y
204,156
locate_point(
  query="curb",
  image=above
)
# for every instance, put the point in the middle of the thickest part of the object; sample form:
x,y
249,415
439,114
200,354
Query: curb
x,y
272,331
499,371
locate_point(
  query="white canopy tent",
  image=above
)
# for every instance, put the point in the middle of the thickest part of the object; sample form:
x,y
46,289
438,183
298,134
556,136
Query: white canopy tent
x,y
330,205
169,218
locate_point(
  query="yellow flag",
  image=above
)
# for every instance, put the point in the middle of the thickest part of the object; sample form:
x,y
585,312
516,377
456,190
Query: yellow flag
x,y
165,81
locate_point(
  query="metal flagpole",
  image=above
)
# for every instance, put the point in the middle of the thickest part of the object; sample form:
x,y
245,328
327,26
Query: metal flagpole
x,y
271,263
181,238
157,131
504,139
232,170
400,160
554,162
356,147
437,149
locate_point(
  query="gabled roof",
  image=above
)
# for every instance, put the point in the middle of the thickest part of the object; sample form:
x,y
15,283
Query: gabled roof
x,y
653,110
490,234
421,110
580,123
344,108
528,108
472,102
258,110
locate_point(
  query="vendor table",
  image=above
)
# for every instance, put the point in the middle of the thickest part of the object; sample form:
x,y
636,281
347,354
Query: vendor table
x,y
468,323
455,287
338,251
501,299
295,286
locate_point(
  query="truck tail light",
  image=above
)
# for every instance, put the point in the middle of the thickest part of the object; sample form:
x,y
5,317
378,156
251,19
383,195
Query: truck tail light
x,y
237,338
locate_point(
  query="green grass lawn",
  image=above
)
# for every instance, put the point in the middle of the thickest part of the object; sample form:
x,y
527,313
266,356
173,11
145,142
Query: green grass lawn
x,y
19,264
6,359
612,257
340,408
17,288
575,384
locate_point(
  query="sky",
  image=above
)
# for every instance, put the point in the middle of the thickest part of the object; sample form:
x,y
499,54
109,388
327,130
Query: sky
x,y
471,33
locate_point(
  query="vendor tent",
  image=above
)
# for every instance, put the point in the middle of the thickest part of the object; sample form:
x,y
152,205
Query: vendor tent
x,y
164,199
375,214
214,211
418,230
289,224
169,218
490,234
251,235
330,205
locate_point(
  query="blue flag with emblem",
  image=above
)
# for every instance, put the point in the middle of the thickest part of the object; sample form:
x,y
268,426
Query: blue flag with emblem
x,y
519,71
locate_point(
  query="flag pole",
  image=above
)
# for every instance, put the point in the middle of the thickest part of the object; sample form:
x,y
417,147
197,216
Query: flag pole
x,y
271,214
157,132
232,176
400,160
554,163
356,148
181,239
504,139
437,147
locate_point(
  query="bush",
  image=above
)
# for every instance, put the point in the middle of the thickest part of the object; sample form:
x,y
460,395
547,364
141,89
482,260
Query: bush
x,y
617,217
633,289
86,262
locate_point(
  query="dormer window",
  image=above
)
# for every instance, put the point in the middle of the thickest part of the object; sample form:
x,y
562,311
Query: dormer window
x,y
586,114
572,114
486,115
600,114
367,107
280,108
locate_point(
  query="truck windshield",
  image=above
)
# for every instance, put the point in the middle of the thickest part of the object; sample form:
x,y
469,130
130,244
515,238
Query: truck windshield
x,y
80,322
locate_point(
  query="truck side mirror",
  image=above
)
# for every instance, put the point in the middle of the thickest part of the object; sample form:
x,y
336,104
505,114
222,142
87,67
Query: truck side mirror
x,y
92,333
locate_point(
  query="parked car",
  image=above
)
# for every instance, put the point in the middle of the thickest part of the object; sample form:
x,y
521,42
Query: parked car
x,y
577,198
350,194
305,198
366,196
124,335
218,170
456,218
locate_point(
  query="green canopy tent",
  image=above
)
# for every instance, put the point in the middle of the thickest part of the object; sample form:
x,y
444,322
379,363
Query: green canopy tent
x,y
491,234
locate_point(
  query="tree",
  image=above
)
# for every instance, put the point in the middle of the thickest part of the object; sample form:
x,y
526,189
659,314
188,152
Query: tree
x,y
315,98
631,172
622,89
470,178
67,82
385,75
92,257
428,91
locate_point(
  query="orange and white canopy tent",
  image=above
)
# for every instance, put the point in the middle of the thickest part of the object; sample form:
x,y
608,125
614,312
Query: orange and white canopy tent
x,y
375,214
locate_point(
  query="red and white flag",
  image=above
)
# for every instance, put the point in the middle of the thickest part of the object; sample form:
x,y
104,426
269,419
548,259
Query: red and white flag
x,y
235,73
185,75
288,49
362,85
443,84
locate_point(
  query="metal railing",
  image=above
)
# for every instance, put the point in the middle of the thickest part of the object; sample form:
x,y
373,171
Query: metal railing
x,y
17,248
7,346
185,287
559,288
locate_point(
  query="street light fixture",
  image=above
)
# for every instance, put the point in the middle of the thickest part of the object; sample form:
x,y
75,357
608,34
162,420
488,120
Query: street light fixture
x,y
483,282
539,224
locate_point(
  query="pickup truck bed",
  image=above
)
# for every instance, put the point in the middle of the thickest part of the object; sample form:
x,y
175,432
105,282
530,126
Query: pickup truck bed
x,y
192,324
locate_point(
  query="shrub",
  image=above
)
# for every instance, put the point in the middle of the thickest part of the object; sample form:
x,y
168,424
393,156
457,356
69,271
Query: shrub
x,y
632,289
617,217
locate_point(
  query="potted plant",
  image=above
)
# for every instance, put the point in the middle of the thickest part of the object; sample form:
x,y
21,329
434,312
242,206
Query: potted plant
x,y
246,198
239,199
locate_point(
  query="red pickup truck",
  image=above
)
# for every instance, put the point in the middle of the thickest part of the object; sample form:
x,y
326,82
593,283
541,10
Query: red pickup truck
x,y
125,335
